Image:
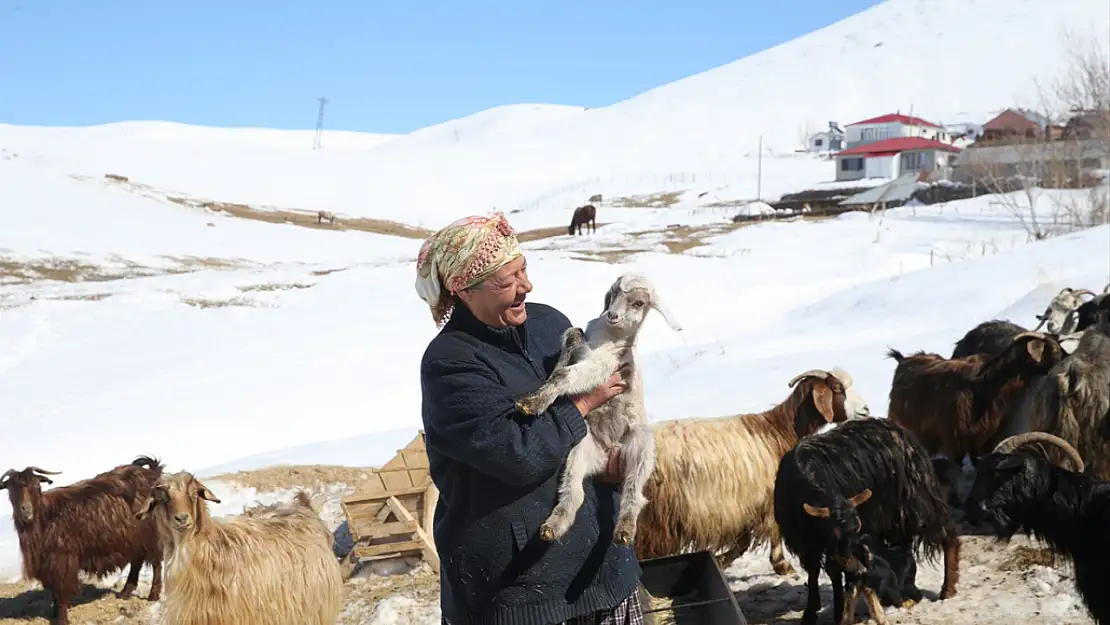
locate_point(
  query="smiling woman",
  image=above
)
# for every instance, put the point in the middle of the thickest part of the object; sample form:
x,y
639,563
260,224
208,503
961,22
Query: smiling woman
x,y
497,469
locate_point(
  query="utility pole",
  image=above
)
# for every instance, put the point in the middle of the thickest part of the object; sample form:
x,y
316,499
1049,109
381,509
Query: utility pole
x,y
319,122
759,171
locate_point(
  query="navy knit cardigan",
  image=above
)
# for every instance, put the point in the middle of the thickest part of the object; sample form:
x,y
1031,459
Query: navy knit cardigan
x,y
498,470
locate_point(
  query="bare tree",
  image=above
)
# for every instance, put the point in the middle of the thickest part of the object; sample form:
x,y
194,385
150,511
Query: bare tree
x,y
1071,144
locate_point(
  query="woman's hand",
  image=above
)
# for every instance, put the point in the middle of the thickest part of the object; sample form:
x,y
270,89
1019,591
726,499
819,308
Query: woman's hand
x,y
614,386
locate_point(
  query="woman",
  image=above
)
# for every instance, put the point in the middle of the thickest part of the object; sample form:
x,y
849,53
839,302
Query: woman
x,y
498,470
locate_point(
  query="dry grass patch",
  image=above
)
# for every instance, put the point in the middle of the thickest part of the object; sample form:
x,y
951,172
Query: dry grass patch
x,y
1023,557
662,199
204,302
274,287
27,604
72,270
313,477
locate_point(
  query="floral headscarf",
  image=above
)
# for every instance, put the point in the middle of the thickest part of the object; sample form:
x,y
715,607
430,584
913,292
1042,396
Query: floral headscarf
x,y
460,256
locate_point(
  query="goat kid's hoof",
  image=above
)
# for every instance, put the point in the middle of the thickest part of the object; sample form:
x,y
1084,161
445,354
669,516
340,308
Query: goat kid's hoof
x,y
908,603
547,534
785,569
622,538
526,406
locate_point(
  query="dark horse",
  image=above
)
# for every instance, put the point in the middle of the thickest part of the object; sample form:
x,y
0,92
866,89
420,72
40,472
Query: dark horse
x,y
583,215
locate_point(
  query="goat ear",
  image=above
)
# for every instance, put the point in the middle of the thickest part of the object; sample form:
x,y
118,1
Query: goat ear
x,y
860,498
657,304
1035,347
823,399
821,513
1074,381
206,494
1010,464
144,507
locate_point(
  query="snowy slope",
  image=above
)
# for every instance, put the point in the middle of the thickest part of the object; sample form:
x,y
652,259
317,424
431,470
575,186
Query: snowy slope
x,y
931,55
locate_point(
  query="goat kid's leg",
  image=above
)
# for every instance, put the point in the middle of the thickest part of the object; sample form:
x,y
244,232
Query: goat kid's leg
x,y
836,579
874,606
581,377
585,459
637,463
951,564
850,599
132,578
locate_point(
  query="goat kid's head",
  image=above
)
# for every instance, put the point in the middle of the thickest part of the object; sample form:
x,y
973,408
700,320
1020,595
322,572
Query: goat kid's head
x,y
25,491
176,499
1056,314
627,303
824,393
1014,476
843,530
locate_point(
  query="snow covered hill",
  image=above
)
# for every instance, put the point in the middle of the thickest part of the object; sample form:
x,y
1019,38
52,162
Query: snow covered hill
x,y
133,320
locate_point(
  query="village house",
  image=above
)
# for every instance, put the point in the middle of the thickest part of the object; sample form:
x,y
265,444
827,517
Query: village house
x,y
892,145
1011,126
830,140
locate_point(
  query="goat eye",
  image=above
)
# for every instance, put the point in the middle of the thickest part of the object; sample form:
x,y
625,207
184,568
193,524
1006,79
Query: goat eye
x,y
637,304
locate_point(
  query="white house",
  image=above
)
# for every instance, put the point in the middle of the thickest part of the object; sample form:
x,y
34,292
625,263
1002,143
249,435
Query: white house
x,y
890,158
892,126
830,140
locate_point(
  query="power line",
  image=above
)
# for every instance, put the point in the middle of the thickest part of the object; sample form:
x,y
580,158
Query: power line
x,y
319,122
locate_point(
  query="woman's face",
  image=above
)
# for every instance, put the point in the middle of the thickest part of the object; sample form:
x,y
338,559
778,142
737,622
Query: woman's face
x,y
499,300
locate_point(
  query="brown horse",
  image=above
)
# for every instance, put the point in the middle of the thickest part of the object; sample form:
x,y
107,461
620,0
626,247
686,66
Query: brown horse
x,y
583,215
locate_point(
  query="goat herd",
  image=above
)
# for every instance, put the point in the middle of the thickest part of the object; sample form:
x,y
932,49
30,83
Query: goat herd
x,y
851,495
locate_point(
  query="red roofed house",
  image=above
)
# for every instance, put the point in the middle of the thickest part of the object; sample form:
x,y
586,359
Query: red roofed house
x,y
891,145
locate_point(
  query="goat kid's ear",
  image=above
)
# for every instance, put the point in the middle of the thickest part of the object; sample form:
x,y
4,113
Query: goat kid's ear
x,y
658,305
860,498
814,511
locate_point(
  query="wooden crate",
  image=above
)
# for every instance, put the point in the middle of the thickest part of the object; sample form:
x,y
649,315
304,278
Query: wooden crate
x,y
392,517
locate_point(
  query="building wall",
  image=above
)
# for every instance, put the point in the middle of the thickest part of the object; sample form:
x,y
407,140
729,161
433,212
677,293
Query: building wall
x,y
856,135
881,166
856,173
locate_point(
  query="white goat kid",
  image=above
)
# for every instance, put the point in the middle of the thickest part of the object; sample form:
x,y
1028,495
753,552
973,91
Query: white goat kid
x,y
1060,312
586,362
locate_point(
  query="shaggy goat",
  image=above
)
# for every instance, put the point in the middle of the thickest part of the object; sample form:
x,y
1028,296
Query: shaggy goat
x,y
863,476
586,362
583,215
987,339
1071,400
1058,314
86,527
955,406
714,477
274,567
1018,488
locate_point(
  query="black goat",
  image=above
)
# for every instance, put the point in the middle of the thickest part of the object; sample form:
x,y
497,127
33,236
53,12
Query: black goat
x,y
987,339
885,574
823,479
1093,312
1019,488
583,216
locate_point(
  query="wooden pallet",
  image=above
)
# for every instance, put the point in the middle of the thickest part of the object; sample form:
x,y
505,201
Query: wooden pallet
x,y
392,517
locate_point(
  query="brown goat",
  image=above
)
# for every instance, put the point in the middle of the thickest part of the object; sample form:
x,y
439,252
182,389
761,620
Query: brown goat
x,y
954,406
714,478
583,215
86,527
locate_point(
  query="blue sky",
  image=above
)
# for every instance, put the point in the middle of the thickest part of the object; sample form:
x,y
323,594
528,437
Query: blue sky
x,y
387,66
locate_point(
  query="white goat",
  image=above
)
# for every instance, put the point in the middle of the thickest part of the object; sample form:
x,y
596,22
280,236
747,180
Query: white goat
x,y
585,363
1059,314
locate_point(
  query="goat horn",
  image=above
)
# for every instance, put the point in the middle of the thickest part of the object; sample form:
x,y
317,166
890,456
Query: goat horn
x,y
1012,443
1033,335
1084,292
7,474
816,373
44,472
1106,289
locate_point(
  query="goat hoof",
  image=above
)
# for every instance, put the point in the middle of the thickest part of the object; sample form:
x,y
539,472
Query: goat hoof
x,y
525,406
126,592
785,569
547,534
623,538
908,603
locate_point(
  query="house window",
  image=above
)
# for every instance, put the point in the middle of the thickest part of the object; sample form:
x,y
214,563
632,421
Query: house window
x,y
851,164
912,161
818,142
